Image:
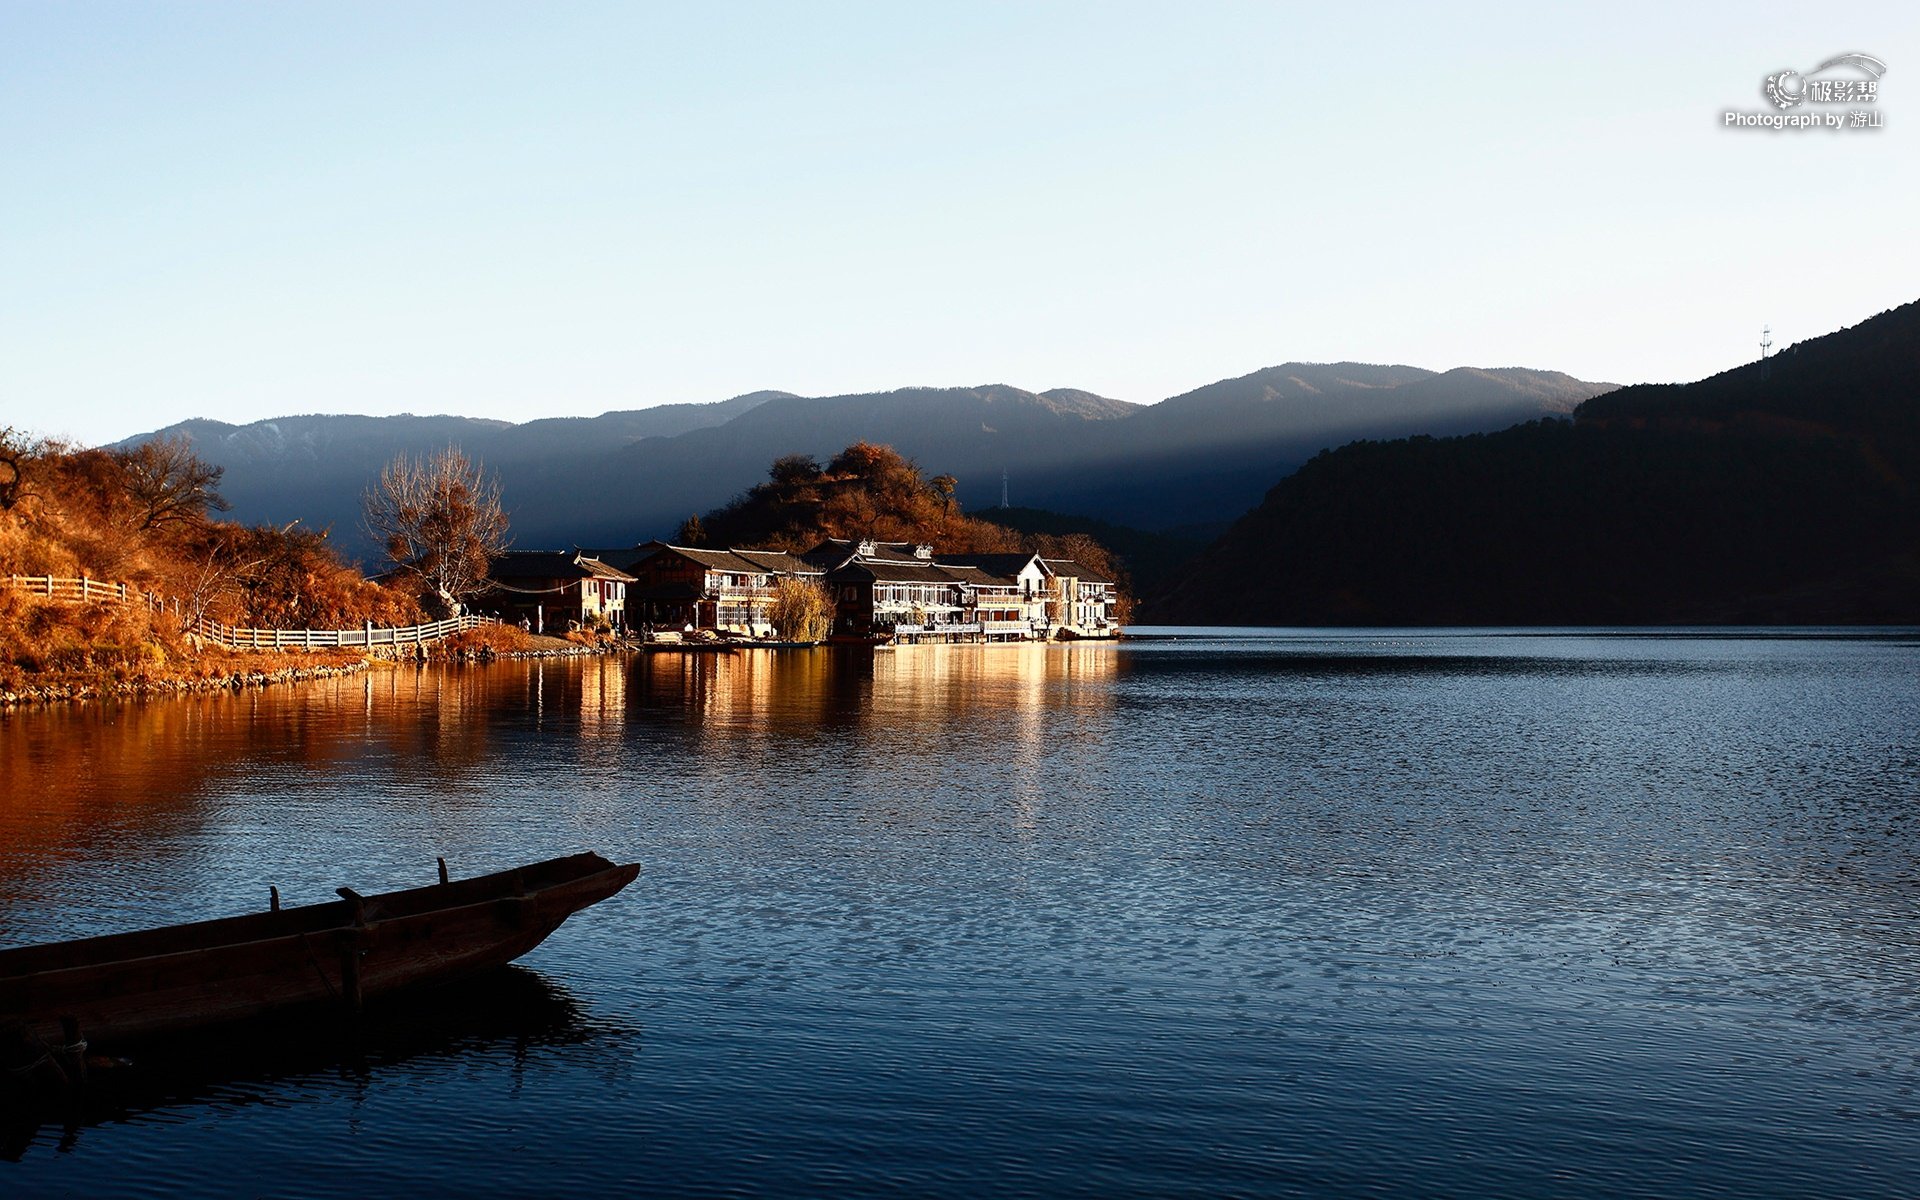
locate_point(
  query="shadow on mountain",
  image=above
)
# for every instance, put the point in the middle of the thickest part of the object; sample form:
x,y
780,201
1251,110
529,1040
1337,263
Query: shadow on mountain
x,y
621,478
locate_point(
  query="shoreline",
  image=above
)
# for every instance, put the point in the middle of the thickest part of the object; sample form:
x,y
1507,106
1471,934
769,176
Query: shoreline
x,y
258,676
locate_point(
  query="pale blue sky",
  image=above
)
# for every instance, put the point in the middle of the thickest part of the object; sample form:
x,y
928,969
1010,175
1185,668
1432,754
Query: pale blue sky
x,y
249,210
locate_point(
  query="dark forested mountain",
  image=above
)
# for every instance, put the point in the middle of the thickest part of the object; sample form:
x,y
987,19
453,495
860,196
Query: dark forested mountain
x,y
1205,456
1787,491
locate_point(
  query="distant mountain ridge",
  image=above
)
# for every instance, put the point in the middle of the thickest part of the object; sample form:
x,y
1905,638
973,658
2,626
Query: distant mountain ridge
x,y
317,436
1203,456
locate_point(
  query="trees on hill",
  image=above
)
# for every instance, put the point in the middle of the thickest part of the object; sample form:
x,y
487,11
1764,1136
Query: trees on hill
x,y
145,516
17,451
867,490
872,491
168,483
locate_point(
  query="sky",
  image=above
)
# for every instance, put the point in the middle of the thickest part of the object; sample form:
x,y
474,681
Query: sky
x,y
248,210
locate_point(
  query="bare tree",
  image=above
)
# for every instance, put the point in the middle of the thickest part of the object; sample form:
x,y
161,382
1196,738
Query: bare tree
x,y
170,483
17,452
440,521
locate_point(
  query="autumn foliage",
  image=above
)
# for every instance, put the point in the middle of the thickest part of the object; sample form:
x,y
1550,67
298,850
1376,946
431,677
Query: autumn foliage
x,y
802,610
145,516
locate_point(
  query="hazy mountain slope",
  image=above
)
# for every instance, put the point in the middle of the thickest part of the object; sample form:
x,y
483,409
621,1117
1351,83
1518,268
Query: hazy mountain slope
x,y
314,468
1204,456
1784,493
1212,452
971,432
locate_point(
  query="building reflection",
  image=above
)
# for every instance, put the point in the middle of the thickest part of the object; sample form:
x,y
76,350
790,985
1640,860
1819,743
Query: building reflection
x,y
94,783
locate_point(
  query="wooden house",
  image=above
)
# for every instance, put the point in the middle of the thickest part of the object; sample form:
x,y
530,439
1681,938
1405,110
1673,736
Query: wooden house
x,y
1011,599
1082,602
682,587
557,590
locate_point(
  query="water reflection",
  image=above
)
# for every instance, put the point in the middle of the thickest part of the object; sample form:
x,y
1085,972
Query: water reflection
x,y
1389,912
81,785
510,1011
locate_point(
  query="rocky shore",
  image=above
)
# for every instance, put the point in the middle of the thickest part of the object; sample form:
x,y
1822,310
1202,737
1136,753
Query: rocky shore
x,y
64,690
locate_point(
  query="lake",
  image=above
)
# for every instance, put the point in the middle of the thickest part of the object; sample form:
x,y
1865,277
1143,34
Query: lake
x,y
1264,913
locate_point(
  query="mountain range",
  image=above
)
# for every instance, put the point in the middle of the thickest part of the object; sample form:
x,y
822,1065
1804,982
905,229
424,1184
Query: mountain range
x,y
1194,460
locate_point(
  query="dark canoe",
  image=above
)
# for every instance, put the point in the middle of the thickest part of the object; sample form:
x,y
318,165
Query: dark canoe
x,y
130,985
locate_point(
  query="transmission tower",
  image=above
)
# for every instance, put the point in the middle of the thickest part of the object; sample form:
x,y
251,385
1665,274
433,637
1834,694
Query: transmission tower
x,y
1003,490
1766,344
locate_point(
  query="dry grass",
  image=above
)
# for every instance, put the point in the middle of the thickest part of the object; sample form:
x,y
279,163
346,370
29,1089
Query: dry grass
x,y
49,644
106,516
499,639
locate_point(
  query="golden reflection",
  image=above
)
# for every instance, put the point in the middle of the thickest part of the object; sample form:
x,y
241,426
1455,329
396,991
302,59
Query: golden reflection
x,y
1022,691
603,698
75,777
89,781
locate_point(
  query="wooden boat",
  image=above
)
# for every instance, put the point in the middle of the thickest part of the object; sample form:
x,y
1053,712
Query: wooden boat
x,y
130,985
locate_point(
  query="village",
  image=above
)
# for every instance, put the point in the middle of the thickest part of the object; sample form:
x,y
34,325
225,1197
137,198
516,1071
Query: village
x,y
873,593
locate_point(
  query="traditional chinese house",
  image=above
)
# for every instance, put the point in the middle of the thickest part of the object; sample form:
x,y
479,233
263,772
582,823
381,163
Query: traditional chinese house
x,y
557,590
678,587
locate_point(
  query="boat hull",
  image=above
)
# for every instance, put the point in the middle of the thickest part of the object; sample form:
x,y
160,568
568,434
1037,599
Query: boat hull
x,y
337,954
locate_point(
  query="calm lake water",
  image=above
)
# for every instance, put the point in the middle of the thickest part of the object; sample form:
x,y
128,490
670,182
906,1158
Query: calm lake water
x,y
1375,913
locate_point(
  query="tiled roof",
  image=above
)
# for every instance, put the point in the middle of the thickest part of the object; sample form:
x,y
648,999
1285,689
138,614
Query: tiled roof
x,y
621,558
1066,566
744,562
918,571
552,564
974,576
779,562
831,552
715,560
1008,565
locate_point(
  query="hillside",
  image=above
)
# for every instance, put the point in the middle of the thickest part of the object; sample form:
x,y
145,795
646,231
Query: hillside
x,y
1202,457
313,469
1788,493
144,516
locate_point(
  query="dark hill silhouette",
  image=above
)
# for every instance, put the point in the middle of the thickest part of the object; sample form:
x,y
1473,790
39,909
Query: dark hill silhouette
x,y
1787,492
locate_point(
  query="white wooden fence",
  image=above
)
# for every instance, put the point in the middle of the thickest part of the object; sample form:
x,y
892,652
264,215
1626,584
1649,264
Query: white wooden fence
x,y
79,591
83,590
326,639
